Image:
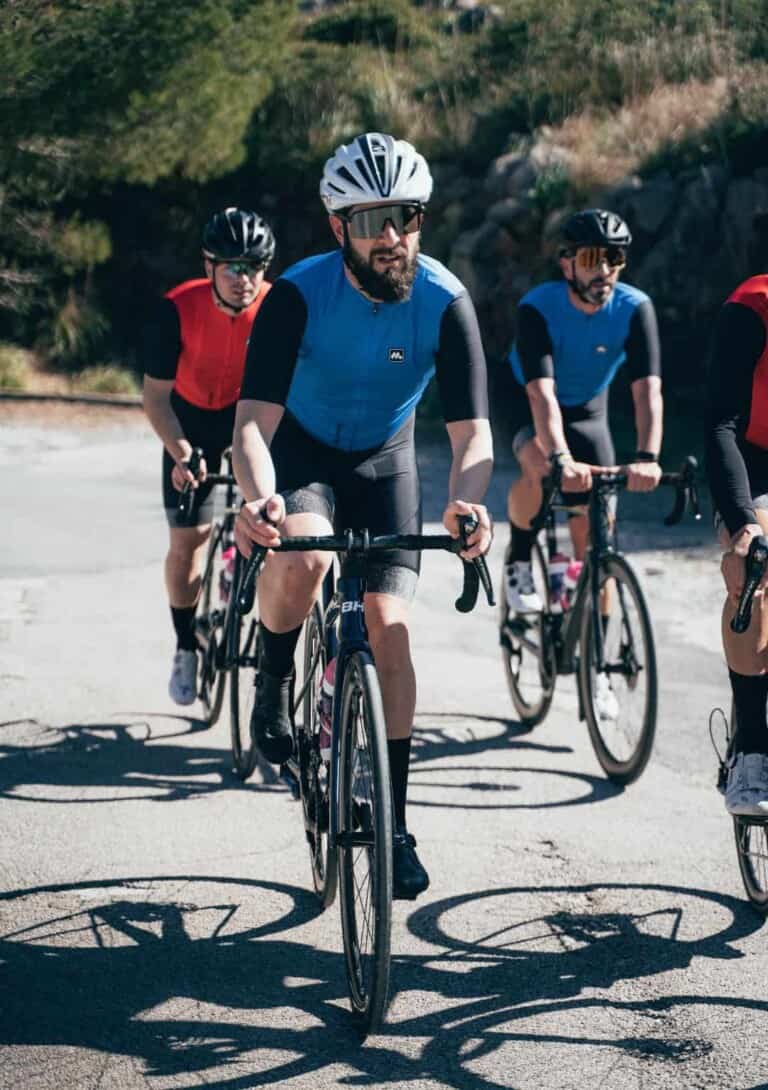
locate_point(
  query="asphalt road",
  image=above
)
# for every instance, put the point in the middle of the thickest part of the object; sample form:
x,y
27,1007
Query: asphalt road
x,y
156,924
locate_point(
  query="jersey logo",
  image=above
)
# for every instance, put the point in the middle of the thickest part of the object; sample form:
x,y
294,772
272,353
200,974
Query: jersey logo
x,y
397,355
601,349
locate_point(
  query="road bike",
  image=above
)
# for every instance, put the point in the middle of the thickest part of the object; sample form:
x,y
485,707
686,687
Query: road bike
x,y
750,833
227,637
603,635
346,799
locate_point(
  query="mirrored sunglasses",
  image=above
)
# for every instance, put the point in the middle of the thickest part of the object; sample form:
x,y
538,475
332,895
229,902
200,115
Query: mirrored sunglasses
x,y
406,219
241,268
589,258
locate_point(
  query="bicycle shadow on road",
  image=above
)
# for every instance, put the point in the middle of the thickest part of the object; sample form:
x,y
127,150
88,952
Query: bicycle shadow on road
x,y
112,761
470,786
195,974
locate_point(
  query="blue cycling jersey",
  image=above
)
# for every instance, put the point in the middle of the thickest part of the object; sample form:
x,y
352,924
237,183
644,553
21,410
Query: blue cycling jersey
x,y
587,349
362,366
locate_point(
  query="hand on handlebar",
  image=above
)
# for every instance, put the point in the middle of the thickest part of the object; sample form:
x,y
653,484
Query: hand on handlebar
x,y
575,477
479,540
643,476
257,524
733,563
182,476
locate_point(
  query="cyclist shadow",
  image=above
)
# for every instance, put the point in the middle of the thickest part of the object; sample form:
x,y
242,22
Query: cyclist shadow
x,y
532,965
461,738
111,760
174,984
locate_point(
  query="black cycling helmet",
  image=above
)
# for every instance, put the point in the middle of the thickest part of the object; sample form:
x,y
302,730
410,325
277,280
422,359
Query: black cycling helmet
x,y
237,233
593,227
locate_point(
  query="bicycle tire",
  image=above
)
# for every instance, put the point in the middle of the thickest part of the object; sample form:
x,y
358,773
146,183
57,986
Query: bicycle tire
x,y
527,651
211,678
622,744
314,777
244,651
365,813
751,836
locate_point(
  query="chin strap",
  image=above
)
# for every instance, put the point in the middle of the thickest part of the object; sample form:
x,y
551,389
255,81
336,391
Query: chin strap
x,y
576,289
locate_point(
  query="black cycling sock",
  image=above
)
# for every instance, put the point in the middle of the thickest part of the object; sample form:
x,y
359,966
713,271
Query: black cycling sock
x,y
399,761
520,543
184,624
278,649
749,697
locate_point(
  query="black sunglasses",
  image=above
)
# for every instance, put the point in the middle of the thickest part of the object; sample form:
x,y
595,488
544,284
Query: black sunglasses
x,y
406,219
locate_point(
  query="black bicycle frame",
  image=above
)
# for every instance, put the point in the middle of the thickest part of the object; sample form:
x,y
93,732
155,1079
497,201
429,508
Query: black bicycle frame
x,y
566,628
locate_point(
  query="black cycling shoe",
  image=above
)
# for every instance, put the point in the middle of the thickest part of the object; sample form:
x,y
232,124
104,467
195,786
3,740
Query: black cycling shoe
x,y
271,729
409,878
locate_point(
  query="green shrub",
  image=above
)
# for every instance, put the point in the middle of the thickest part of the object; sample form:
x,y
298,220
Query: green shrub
x,y
107,378
15,367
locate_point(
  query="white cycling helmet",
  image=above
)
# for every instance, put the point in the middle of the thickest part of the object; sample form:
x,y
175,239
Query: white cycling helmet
x,y
375,167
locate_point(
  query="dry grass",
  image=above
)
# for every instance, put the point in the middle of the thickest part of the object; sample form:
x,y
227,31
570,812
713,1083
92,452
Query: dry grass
x,y
601,149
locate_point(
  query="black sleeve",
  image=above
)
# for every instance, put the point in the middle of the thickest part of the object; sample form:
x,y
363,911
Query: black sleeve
x,y
534,344
160,342
274,344
642,345
460,364
739,343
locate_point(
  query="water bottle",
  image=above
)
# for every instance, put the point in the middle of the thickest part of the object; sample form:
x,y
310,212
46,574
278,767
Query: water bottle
x,y
226,574
571,579
558,563
325,709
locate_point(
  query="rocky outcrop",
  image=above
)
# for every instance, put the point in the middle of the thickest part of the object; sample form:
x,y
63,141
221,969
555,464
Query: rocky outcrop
x,y
697,235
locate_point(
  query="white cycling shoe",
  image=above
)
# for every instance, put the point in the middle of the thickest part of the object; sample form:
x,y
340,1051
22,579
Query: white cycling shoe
x,y
522,596
746,789
182,687
606,702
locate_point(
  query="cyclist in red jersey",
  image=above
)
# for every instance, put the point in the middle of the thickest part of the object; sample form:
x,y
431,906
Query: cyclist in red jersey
x,y
193,358
737,468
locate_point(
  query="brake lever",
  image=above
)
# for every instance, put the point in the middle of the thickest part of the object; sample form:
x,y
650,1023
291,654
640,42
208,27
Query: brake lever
x,y
184,502
475,571
757,559
252,566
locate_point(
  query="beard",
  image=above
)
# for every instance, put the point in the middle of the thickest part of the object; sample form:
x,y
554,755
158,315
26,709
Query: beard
x,y
592,291
391,286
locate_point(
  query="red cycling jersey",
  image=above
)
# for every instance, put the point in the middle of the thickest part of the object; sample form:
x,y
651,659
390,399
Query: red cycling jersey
x,y
211,363
753,293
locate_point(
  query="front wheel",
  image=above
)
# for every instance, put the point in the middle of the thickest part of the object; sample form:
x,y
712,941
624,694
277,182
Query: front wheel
x,y
209,624
527,648
619,695
365,841
313,770
752,850
243,653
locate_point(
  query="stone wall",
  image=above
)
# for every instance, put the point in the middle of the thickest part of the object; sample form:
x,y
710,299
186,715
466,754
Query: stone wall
x,y
697,235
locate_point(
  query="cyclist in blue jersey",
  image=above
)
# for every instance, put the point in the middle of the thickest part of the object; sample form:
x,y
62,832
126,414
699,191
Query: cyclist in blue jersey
x,y
572,336
342,350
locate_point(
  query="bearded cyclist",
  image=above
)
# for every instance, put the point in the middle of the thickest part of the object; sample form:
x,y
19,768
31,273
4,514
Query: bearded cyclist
x,y
572,336
737,467
193,356
339,357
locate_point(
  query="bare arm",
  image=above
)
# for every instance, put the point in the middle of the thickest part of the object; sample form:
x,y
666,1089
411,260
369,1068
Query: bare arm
x,y
649,413
472,464
157,406
471,469
547,418
255,425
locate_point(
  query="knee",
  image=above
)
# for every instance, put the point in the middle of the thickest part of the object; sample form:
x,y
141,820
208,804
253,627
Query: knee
x,y
297,572
388,635
183,548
